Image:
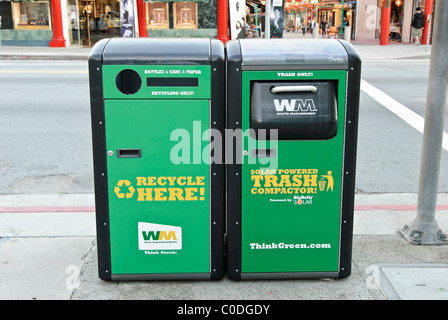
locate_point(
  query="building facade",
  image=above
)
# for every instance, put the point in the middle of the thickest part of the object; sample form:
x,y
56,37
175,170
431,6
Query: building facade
x,y
369,15
62,23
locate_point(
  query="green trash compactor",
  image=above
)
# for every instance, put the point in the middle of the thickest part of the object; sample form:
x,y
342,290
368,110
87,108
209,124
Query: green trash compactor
x,y
159,185
292,106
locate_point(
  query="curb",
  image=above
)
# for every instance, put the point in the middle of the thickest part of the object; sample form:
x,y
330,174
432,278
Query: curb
x,y
42,57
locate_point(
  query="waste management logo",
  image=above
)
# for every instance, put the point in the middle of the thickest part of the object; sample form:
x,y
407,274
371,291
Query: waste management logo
x,y
153,236
288,107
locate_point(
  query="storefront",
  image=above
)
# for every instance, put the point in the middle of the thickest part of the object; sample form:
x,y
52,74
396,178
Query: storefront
x,y
334,11
84,22
401,14
92,20
181,18
25,22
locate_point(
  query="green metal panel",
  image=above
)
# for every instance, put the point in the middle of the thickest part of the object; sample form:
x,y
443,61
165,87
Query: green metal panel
x,y
159,211
291,210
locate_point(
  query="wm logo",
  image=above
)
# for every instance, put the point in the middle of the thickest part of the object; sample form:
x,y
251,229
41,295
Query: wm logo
x,y
292,105
159,235
153,236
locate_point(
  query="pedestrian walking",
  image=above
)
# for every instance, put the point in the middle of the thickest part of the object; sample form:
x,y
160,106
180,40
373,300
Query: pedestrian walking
x,y
417,25
323,27
304,26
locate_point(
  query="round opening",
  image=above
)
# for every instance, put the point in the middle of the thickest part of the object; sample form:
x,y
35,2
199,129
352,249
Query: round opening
x,y
128,81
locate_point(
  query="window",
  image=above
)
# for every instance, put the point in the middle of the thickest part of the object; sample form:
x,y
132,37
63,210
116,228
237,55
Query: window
x,y
185,15
6,15
157,15
31,15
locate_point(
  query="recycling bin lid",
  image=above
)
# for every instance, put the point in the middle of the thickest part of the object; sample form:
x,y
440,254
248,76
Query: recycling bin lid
x,y
141,51
319,53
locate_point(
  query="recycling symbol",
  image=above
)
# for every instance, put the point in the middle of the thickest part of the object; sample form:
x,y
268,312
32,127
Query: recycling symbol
x,y
118,189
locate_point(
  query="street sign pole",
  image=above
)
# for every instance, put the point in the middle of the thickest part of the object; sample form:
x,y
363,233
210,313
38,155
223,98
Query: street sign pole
x,y
0,35
428,33
342,18
267,20
424,228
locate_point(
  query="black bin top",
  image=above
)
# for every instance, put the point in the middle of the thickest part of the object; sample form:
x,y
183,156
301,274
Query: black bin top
x,y
160,51
326,53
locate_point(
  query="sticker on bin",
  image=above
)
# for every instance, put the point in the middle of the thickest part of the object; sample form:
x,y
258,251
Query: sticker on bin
x,y
153,236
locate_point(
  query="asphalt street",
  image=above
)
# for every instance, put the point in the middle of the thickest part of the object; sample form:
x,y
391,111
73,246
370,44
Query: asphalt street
x,y
45,128
389,149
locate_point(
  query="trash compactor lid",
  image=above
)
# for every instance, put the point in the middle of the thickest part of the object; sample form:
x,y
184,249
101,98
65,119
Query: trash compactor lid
x,y
168,51
316,53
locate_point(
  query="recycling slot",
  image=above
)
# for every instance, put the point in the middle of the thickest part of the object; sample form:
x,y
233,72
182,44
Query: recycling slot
x,y
159,194
293,108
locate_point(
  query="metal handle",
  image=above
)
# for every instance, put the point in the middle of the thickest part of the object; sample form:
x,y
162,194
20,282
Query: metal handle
x,y
312,89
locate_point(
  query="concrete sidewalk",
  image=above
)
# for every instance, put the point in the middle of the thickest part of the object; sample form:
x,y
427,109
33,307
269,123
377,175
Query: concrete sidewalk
x,y
43,53
369,50
48,251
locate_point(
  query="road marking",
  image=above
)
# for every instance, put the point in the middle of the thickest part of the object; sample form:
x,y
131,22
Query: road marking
x,y
409,116
41,71
47,209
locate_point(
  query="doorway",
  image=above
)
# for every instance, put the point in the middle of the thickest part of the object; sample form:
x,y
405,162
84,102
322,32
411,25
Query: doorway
x,y
98,19
73,22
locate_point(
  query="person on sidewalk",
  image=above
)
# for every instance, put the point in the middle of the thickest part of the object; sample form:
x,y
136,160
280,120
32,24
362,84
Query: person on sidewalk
x,y
417,24
304,26
323,27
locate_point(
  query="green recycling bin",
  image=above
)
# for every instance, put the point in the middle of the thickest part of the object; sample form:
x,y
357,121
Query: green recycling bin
x,y
159,192
292,109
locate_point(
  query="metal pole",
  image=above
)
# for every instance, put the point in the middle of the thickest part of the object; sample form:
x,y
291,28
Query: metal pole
x,y
0,34
267,20
428,13
428,33
222,21
424,228
385,23
256,15
342,17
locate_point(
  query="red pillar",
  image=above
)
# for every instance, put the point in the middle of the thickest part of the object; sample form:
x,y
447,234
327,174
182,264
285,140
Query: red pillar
x,y
385,23
222,21
141,12
56,21
428,11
